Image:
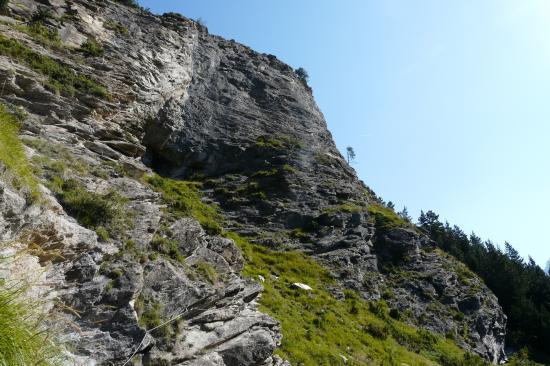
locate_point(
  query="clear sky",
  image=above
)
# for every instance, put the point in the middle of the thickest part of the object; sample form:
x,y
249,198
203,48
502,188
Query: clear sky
x,y
447,103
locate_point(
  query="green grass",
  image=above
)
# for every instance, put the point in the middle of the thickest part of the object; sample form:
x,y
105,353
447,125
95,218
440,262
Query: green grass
x,y
150,315
44,35
116,27
184,199
58,160
348,207
92,48
289,169
104,213
23,338
385,218
206,271
317,328
281,142
265,173
61,78
13,158
167,246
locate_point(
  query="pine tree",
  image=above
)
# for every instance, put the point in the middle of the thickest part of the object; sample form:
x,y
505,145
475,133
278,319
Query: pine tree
x,y
350,154
405,214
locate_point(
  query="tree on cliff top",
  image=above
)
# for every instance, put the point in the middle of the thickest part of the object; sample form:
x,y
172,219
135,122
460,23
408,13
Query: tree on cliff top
x,y
302,74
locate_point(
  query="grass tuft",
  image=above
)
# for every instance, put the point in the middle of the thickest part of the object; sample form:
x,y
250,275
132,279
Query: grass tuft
x,y
13,158
23,338
206,271
116,27
92,48
104,213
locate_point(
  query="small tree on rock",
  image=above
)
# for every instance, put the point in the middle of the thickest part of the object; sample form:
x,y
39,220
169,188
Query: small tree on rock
x,y
405,214
302,74
350,154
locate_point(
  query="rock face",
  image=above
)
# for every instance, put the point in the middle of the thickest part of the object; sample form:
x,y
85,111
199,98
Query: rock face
x,y
186,104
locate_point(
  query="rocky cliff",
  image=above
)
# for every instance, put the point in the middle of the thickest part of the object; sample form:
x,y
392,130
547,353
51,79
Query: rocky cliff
x,y
157,146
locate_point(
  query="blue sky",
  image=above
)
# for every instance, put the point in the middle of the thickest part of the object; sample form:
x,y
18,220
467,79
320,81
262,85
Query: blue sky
x,y
447,103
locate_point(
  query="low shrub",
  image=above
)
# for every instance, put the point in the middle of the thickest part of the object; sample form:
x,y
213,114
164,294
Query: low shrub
x,y
465,360
151,315
133,4
377,330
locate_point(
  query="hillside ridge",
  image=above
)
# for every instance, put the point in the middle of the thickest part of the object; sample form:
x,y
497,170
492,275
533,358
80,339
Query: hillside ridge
x,y
187,184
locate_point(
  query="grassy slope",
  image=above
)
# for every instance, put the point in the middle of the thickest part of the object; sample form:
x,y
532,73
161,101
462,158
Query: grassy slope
x,y
317,328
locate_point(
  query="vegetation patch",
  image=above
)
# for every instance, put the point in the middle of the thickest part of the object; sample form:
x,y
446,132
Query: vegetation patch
x,y
104,213
151,315
349,207
168,247
385,218
39,30
12,156
184,199
92,48
61,78
57,160
3,6
44,35
316,327
116,27
282,142
24,339
206,271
